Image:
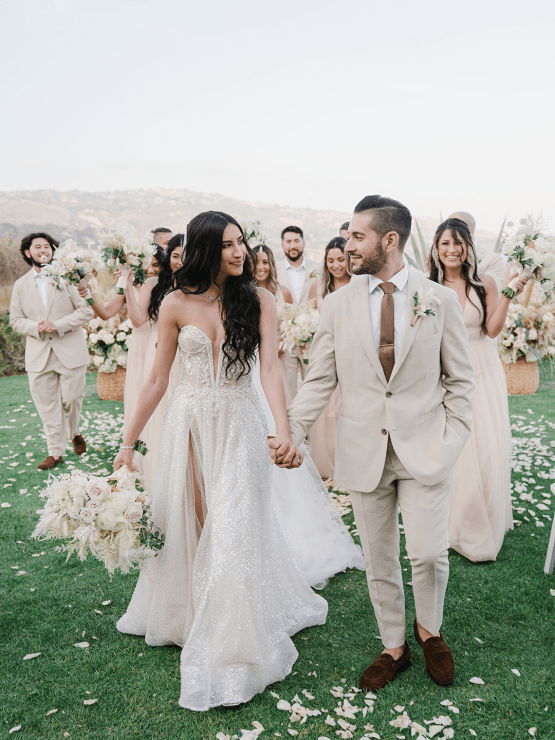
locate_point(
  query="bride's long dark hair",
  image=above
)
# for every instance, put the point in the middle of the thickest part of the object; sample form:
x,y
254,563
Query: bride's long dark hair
x,y
240,306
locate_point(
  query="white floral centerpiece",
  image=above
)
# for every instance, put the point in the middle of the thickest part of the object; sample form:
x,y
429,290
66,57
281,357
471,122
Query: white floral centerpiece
x,y
299,325
532,251
107,344
529,332
125,247
73,266
106,517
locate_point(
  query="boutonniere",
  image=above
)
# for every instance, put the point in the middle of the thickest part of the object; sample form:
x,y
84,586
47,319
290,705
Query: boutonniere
x,y
313,274
424,305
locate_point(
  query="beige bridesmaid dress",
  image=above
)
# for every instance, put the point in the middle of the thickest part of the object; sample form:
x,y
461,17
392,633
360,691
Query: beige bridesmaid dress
x,y
480,507
135,374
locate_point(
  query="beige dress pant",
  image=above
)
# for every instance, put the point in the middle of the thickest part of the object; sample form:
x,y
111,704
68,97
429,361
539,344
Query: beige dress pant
x,y
294,364
425,512
57,392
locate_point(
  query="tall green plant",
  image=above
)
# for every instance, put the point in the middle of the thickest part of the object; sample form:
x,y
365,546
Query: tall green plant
x,y
499,241
420,249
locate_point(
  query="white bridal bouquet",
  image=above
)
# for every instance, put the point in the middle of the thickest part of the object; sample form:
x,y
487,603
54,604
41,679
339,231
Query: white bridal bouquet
x,y
107,344
106,517
73,266
532,250
125,247
529,331
299,325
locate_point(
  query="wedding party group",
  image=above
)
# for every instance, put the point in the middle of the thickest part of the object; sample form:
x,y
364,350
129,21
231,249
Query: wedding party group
x,y
254,379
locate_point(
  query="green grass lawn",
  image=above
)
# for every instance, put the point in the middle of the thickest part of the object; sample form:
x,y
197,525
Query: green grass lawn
x,y
499,617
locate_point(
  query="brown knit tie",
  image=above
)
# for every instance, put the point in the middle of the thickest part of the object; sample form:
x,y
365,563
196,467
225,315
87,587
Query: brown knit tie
x,y
387,330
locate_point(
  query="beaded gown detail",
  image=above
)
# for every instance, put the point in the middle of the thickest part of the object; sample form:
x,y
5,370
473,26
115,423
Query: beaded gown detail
x,y
229,592
480,510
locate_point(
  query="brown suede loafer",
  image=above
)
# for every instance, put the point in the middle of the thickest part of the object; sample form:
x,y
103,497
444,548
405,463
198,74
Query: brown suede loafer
x,y
383,670
79,444
49,462
439,659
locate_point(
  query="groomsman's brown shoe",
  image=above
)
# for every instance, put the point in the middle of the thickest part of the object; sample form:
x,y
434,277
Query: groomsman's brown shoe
x,y
439,659
383,670
79,444
50,462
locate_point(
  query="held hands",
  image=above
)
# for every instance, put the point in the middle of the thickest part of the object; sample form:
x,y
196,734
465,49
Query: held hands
x,y
83,291
519,284
47,327
284,453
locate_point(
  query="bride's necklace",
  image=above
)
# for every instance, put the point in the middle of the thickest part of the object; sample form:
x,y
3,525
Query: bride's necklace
x,y
212,297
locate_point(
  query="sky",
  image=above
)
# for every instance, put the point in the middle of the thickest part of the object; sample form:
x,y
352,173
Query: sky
x,y
442,105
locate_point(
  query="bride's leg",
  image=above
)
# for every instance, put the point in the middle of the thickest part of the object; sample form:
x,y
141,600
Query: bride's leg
x,y
200,506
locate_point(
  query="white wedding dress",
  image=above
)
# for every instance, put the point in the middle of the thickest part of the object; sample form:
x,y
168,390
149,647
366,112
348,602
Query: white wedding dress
x,y
320,541
230,593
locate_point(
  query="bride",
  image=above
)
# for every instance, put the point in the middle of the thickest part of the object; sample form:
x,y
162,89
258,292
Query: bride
x,y
225,586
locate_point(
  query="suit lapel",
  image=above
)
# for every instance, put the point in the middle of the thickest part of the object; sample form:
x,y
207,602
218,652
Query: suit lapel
x,y
34,292
413,285
360,303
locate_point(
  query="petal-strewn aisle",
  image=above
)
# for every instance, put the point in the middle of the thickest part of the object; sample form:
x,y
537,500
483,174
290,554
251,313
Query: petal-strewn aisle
x,y
67,672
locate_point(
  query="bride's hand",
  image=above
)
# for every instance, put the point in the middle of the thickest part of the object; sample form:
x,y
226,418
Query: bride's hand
x,y
124,458
293,459
519,284
83,291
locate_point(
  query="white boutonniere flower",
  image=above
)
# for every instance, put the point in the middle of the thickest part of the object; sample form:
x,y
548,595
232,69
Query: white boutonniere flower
x,y
313,274
424,305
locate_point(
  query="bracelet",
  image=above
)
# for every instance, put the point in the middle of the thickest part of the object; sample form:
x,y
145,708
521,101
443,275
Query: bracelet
x,y
139,446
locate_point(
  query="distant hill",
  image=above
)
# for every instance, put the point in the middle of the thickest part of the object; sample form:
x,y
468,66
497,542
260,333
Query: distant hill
x,y
82,215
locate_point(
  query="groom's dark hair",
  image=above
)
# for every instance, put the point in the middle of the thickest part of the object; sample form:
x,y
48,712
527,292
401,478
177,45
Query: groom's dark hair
x,y
388,215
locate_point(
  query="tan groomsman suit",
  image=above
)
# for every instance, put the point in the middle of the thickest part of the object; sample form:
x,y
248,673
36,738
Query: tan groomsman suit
x,y
312,270
492,264
56,363
397,441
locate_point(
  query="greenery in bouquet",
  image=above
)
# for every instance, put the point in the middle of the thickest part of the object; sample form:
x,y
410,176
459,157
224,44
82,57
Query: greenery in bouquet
x,y
298,326
73,266
107,344
129,249
106,517
531,249
253,233
529,330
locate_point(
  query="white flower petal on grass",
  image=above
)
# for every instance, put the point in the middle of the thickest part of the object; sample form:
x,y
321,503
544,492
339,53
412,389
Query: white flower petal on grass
x,y
473,733
292,732
105,603
221,736
515,671
323,737
476,680
399,708
531,731
14,729
30,656
97,611
476,698
478,640
21,573
50,711
88,702
455,710
446,703
284,705
273,693
6,505
81,644
552,591
330,721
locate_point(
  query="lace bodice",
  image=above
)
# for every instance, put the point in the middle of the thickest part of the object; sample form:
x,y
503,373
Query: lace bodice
x,y
196,363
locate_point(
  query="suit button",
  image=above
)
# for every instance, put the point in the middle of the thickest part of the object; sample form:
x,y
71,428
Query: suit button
x,y
384,431
388,394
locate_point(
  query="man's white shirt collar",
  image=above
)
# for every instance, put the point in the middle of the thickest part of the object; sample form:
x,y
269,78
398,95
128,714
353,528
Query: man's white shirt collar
x,y
400,279
292,267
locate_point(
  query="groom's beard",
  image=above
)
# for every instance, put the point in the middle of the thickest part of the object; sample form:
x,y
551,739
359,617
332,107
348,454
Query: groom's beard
x,y
372,265
40,264
295,258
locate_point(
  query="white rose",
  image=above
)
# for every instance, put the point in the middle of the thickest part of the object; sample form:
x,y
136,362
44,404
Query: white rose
x,y
108,338
122,360
87,515
98,360
134,512
121,336
93,338
98,490
532,334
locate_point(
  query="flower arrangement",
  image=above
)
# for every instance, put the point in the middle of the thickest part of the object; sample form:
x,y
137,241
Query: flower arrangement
x,y
107,344
108,517
532,250
73,266
299,325
424,305
529,331
125,247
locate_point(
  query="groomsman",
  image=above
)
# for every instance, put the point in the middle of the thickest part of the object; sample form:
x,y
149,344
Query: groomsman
x,y
406,388
489,263
161,236
296,272
56,355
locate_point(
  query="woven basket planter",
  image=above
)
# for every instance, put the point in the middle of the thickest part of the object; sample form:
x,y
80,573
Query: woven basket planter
x,y
523,377
110,386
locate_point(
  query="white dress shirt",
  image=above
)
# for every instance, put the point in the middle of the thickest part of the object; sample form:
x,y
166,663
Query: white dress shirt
x,y
42,282
400,295
296,277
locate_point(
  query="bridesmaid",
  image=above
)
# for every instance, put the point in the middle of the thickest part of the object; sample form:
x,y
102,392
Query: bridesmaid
x,y
143,311
480,506
321,438
137,342
265,275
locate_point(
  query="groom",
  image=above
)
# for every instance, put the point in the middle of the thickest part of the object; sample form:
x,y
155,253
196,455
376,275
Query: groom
x,y
406,387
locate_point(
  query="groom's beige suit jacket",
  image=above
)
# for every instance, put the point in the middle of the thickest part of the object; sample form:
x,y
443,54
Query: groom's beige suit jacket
x,y
65,308
312,269
425,407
